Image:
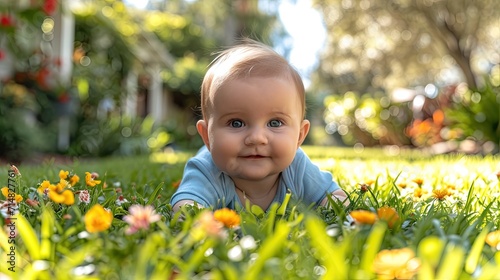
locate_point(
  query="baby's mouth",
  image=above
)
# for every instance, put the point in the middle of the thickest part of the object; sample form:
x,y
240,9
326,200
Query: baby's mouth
x,y
254,157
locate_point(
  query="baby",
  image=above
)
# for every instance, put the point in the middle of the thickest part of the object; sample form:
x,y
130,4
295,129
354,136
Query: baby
x,y
253,123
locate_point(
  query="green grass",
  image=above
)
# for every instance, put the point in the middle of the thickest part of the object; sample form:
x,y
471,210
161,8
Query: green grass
x,y
433,237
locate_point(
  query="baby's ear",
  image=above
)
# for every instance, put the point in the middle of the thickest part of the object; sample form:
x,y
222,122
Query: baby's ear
x,y
202,128
304,130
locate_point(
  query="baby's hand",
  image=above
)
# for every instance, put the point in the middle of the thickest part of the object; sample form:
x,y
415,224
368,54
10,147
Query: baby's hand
x,y
339,195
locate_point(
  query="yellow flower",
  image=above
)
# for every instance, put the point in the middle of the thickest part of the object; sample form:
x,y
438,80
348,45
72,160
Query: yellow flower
x,y
63,175
228,217
66,197
5,191
98,219
89,180
493,239
440,193
74,179
364,217
396,264
44,187
18,198
450,186
61,185
418,192
388,214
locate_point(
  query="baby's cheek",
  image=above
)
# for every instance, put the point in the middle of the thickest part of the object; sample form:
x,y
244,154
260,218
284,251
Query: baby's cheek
x,y
231,165
286,150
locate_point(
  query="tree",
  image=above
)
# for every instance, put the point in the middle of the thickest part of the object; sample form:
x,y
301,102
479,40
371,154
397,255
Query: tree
x,y
399,43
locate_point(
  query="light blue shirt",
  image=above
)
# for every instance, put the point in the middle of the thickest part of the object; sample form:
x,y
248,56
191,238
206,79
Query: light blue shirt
x,y
208,186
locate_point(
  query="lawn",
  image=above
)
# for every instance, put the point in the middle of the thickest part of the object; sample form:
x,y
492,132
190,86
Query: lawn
x,y
412,215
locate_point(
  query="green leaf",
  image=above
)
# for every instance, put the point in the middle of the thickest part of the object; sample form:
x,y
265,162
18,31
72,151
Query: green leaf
x,y
452,263
329,254
372,246
270,247
475,252
47,247
154,194
256,210
29,237
282,208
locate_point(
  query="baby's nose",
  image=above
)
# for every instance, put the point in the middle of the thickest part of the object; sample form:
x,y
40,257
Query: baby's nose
x,y
256,136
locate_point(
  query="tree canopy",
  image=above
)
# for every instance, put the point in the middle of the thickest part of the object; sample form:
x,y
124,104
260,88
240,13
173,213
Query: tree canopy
x,y
406,43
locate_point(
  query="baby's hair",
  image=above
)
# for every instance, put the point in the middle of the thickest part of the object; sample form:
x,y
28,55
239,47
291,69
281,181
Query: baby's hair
x,y
245,60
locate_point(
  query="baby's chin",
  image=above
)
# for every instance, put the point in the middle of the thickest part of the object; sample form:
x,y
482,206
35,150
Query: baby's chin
x,y
252,176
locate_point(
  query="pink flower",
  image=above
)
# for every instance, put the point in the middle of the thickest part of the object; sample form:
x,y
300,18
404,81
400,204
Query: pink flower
x,y
140,217
84,196
207,225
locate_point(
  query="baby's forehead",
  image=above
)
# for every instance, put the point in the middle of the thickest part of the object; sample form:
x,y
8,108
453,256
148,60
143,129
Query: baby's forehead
x,y
241,82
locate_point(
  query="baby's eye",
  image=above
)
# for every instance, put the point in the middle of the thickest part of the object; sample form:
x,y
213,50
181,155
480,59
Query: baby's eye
x,y
236,123
275,123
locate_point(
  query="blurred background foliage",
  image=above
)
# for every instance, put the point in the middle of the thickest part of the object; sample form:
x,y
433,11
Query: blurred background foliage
x,y
415,73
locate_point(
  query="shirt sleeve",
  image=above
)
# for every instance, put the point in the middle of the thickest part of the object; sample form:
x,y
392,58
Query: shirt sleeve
x,y
309,182
201,183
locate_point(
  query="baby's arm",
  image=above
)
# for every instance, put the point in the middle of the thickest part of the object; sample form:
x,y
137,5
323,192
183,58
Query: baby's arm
x,y
339,195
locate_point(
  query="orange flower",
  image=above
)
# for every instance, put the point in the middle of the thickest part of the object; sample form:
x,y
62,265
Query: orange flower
x,y
396,264
418,181
98,219
493,239
450,186
11,196
364,217
440,193
90,179
228,217
389,215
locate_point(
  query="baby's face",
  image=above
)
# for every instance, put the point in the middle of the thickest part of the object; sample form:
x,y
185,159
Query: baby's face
x,y
255,127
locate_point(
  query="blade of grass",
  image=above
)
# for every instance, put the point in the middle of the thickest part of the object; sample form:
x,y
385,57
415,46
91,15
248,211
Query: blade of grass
x,y
269,248
372,246
47,247
452,263
154,194
329,254
29,237
475,252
